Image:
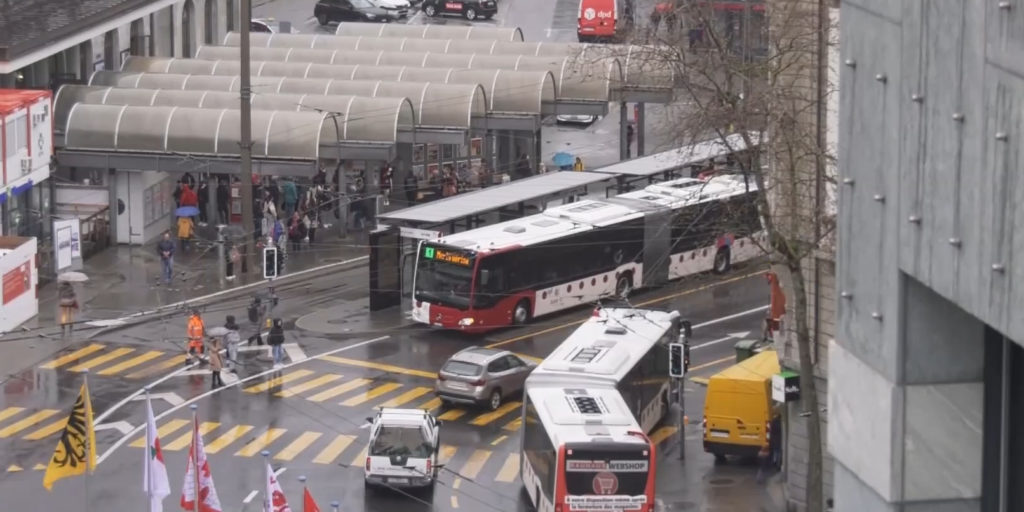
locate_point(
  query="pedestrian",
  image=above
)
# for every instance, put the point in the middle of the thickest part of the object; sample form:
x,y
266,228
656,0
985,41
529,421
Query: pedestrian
x,y
68,304
313,213
522,168
185,231
411,188
630,133
223,201
578,165
256,311
177,194
321,176
188,196
276,341
387,175
166,251
296,231
775,442
764,461
269,213
232,339
216,364
195,332
291,197
204,200
233,256
451,186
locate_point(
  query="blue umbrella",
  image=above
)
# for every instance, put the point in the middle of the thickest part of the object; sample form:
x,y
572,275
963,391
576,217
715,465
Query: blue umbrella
x,y
186,211
563,159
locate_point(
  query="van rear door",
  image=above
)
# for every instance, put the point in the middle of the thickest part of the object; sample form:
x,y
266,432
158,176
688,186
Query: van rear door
x,y
735,418
596,20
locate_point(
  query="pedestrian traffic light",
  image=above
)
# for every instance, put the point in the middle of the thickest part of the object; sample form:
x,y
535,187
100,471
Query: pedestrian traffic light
x,y
269,262
676,364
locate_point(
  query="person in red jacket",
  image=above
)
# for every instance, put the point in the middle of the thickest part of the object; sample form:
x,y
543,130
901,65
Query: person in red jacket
x,y
188,196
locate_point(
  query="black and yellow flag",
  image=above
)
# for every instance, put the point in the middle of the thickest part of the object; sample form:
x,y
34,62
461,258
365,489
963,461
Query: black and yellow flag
x,y
76,449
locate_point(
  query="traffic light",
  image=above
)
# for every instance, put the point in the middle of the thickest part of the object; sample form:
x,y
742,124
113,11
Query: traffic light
x,y
269,262
676,363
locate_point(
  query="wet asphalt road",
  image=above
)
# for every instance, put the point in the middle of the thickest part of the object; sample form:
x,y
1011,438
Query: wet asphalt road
x,y
310,414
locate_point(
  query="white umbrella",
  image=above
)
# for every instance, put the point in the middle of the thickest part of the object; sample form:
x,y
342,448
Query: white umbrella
x,y
73,277
217,331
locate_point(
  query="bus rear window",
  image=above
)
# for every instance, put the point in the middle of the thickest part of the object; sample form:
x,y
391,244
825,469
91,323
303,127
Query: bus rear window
x,y
607,472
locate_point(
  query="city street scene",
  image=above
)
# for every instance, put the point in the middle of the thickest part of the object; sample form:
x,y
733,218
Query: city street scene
x,y
510,255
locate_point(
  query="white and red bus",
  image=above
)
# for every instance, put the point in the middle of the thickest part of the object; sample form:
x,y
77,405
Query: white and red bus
x,y
582,450
579,253
624,347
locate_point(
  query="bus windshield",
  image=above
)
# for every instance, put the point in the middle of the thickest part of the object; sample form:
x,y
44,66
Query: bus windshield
x,y
605,478
444,276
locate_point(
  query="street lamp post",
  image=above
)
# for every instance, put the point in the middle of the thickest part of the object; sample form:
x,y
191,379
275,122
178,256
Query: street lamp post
x,y
245,151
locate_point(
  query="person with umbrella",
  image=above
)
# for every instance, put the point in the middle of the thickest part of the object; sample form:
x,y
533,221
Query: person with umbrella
x,y
68,303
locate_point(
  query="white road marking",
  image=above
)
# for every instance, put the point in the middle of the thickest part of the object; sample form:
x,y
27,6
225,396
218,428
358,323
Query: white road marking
x,y
730,317
171,397
199,397
121,426
295,352
249,497
731,336
129,398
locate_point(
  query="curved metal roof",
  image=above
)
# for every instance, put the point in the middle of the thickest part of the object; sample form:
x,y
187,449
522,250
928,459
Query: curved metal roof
x,y
275,134
430,31
360,118
451,105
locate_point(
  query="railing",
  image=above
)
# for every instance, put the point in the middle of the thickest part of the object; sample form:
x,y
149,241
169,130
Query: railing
x,y
95,231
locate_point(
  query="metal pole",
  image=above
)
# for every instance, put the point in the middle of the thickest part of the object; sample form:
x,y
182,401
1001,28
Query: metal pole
x,y
335,506
681,419
245,151
222,269
195,457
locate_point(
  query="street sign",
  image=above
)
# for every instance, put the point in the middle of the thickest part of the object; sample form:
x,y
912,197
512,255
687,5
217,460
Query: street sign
x,y
422,234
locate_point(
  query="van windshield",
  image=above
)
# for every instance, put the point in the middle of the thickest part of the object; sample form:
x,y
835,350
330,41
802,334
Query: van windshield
x,y
401,441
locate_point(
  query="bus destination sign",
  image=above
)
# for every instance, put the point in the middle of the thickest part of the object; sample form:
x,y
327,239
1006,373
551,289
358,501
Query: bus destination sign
x,y
433,253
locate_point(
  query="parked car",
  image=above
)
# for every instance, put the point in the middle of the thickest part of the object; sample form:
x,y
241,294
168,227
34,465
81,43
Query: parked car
x,y
327,11
576,119
397,8
478,375
402,449
270,26
470,9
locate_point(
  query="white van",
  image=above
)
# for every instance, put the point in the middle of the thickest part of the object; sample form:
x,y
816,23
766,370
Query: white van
x,y
402,451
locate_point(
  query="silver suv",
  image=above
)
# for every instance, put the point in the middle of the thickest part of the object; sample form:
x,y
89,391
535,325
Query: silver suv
x,y
478,375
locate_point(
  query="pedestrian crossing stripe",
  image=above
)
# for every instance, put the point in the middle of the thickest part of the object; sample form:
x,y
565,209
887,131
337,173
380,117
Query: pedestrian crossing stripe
x,y
130,363
277,381
334,449
297,446
73,356
26,422
227,438
102,359
260,442
489,417
509,469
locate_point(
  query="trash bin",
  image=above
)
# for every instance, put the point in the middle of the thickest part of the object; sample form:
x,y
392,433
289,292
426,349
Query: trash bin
x,y
745,349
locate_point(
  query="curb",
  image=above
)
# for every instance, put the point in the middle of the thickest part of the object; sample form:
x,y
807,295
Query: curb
x,y
702,381
129,320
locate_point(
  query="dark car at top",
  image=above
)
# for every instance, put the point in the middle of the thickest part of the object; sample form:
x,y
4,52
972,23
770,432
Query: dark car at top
x,y
469,9
327,11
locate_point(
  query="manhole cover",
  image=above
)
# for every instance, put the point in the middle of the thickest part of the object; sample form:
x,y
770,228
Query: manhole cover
x,y
680,506
721,482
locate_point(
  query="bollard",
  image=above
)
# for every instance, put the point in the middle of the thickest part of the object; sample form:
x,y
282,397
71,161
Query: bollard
x,y
222,266
335,506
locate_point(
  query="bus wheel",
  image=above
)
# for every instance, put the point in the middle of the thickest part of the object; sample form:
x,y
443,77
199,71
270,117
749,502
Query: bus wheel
x,y
521,314
624,285
722,263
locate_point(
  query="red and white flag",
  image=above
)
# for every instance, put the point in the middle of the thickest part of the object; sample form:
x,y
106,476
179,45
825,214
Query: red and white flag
x,y
208,500
274,500
154,479
308,505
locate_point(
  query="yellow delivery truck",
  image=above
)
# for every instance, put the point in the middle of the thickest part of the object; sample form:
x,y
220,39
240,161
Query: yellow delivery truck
x,y
738,408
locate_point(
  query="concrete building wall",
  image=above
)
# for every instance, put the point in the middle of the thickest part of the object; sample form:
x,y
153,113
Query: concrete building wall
x,y
931,96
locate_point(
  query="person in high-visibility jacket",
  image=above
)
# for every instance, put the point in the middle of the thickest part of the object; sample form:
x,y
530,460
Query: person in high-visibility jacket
x,y
195,332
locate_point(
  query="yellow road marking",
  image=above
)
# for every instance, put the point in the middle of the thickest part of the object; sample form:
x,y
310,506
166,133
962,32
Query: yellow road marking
x,y
78,354
10,411
406,397
452,414
662,434
96,361
163,430
260,442
537,360
227,438
455,501
360,460
380,366
295,447
176,360
712,363
13,468
509,469
457,483
486,418
446,453
24,423
366,396
339,389
699,380
430,405
641,304
476,462
498,440
43,432
308,385
277,381
135,361
184,440
514,425
333,450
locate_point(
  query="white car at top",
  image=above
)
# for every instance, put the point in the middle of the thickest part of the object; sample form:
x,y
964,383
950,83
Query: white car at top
x,y
399,8
402,450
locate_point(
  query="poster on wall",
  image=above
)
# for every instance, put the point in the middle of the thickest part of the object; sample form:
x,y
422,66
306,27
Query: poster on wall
x,y
63,245
432,153
17,282
418,152
476,147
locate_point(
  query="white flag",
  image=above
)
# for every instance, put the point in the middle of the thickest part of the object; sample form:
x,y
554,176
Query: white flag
x,y
274,500
154,479
208,500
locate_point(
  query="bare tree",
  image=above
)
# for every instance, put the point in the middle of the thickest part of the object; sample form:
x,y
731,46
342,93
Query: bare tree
x,y
761,73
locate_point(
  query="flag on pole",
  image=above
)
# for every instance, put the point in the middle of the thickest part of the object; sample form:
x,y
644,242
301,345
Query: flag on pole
x,y
274,500
76,449
203,479
308,504
154,481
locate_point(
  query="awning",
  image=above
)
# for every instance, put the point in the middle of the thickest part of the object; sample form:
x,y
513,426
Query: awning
x,y
430,31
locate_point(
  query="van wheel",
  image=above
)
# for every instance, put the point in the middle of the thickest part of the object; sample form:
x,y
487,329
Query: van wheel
x,y
720,458
722,261
470,13
495,400
430,10
521,314
322,19
624,285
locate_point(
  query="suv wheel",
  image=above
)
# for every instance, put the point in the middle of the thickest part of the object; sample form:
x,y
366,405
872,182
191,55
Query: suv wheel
x,y
322,19
430,10
470,13
495,400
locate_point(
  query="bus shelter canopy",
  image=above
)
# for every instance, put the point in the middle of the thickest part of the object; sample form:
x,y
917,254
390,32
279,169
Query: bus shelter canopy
x,y
430,31
358,118
451,106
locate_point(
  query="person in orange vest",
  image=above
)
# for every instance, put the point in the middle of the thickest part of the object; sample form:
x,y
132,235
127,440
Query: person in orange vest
x,y
195,332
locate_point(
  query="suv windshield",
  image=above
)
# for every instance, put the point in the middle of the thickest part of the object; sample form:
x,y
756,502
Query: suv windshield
x,y
401,441
462,368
